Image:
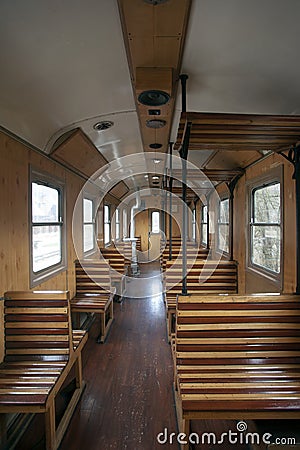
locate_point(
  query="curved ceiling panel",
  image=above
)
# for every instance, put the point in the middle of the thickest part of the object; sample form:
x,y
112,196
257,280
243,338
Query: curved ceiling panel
x,y
60,63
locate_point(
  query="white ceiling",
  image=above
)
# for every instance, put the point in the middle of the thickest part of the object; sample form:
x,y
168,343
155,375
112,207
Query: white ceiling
x,y
64,65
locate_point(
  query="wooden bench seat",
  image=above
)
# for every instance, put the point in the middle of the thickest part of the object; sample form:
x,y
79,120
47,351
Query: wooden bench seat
x,y
94,293
40,351
237,357
116,262
204,277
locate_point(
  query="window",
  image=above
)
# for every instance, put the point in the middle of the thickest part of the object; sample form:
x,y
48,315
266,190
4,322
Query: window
x,y
47,227
124,223
117,222
223,229
88,225
155,225
194,224
204,217
106,224
265,227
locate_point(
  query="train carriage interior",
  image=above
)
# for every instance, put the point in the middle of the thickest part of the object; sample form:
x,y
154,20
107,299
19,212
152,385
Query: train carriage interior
x,y
150,226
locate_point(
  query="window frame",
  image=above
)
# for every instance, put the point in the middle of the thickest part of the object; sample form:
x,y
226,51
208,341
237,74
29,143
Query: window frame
x,y
204,242
117,224
271,178
107,243
222,250
50,181
91,199
194,224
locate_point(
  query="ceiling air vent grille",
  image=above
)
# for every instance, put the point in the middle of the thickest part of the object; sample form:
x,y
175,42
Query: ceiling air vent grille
x,y
103,125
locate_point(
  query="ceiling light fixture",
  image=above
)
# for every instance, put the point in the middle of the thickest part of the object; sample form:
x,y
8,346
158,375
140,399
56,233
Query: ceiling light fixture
x,y
155,2
155,177
153,98
155,145
156,123
157,161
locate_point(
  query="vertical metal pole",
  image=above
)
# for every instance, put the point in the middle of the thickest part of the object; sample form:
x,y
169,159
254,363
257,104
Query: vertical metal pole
x,y
184,228
183,154
170,203
183,79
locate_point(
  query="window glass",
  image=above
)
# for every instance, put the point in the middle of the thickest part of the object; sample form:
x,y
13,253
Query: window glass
x,y
223,229
88,225
204,217
155,226
265,227
47,254
106,224
194,224
117,219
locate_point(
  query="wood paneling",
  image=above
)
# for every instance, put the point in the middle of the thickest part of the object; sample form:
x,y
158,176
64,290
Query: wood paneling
x,y
255,282
142,228
154,37
79,153
15,162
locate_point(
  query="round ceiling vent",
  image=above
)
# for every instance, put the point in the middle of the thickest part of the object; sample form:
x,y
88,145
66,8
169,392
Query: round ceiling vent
x,y
155,145
153,98
103,125
156,123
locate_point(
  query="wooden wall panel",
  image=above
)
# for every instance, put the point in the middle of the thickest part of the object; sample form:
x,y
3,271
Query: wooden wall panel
x,y
15,161
249,281
142,228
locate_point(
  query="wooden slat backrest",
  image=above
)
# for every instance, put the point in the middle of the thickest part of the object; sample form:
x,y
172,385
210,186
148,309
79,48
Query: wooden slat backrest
x,y
237,330
37,326
115,259
92,277
203,275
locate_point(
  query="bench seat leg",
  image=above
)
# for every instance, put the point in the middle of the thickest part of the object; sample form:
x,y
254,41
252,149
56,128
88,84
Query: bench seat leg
x,y
184,425
105,325
50,427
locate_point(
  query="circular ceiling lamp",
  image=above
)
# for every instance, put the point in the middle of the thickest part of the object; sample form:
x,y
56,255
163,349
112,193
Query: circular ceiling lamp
x,y
155,145
153,98
156,123
155,2
103,125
